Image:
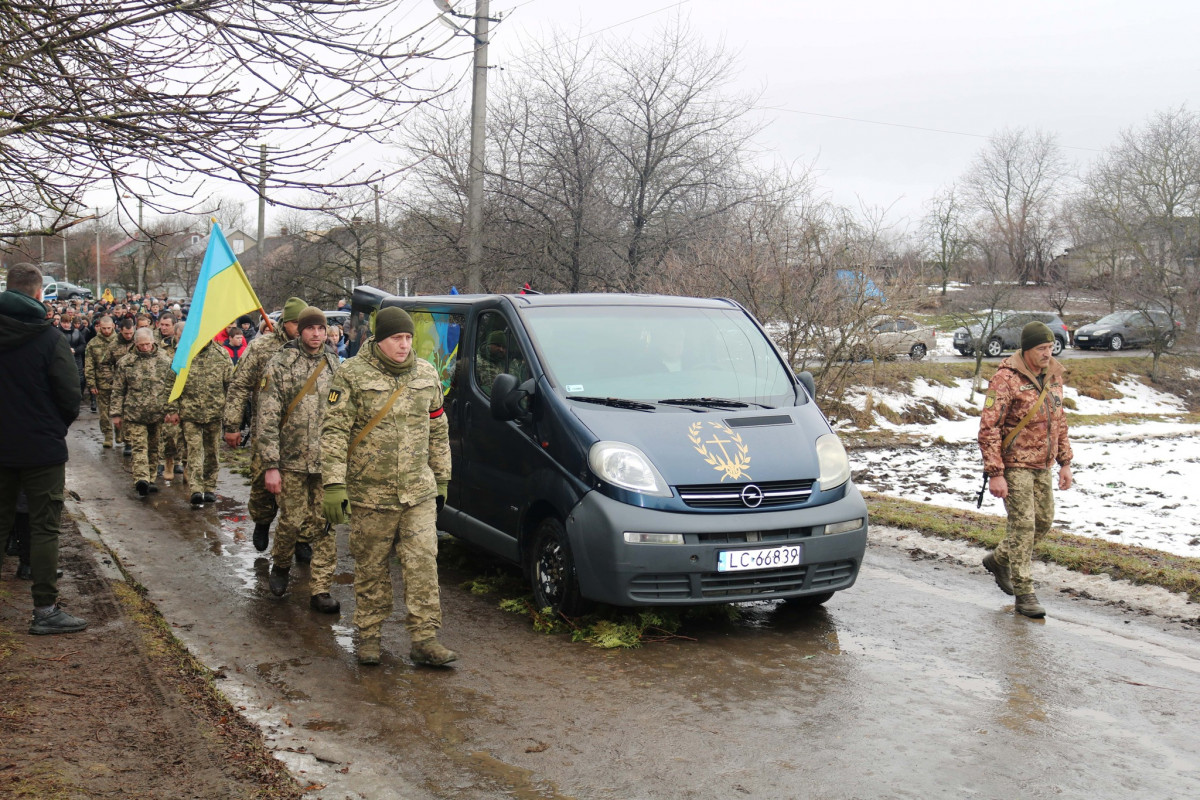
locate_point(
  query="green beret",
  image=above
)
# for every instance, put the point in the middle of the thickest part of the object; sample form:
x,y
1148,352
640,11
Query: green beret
x,y
1034,334
292,309
390,321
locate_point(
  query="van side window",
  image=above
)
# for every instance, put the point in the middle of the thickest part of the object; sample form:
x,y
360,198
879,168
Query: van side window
x,y
496,351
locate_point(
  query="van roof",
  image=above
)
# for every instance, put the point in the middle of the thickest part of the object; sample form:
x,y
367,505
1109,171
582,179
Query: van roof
x,y
579,300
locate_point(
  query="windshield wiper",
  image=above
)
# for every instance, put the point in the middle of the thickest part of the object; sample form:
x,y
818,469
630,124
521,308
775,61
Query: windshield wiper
x,y
613,402
705,401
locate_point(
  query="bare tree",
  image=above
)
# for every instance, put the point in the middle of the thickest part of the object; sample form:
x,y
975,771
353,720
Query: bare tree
x,y
1143,194
945,233
143,94
1013,185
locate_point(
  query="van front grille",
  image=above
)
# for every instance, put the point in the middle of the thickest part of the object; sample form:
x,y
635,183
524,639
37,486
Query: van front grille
x,y
739,586
769,494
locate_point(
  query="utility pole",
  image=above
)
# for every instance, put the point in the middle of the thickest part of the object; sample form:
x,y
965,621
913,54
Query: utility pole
x,y
66,275
478,120
262,205
378,242
98,289
141,268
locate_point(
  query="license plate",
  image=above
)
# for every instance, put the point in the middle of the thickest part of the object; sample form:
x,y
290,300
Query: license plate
x,y
762,558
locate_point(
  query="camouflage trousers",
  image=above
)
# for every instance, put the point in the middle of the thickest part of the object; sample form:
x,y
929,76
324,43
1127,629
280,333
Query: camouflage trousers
x,y
301,518
412,530
143,441
173,446
1030,507
103,399
204,443
262,505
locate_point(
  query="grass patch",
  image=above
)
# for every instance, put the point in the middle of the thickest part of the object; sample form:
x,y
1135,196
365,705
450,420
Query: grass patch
x,y
1139,565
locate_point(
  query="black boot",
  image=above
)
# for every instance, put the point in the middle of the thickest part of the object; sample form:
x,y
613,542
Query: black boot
x,y
197,498
324,603
303,552
277,581
262,535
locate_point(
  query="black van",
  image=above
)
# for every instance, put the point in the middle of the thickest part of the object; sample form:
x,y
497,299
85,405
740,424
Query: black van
x,y
636,450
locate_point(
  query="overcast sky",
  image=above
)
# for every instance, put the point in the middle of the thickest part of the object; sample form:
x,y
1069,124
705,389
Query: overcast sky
x,y
1083,70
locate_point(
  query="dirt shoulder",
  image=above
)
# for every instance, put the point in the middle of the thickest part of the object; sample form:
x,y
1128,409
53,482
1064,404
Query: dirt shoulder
x,y
121,709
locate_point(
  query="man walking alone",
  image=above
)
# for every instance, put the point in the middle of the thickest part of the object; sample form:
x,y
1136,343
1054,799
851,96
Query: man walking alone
x,y
1022,433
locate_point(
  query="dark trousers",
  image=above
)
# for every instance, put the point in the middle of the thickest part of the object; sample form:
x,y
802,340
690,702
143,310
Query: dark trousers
x,y
44,491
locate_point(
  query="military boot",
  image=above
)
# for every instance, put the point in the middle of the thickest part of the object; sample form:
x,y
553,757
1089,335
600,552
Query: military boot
x,y
168,467
1028,605
262,535
999,572
303,552
324,603
142,488
369,651
277,581
128,449
431,652
108,442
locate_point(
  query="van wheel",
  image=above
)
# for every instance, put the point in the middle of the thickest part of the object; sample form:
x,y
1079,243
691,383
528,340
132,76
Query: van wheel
x,y
917,352
552,571
808,600
994,346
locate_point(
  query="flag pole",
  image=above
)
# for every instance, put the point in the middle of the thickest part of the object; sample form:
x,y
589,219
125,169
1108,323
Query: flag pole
x,y
270,327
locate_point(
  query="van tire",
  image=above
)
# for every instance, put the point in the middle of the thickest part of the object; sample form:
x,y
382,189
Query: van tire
x,y
552,572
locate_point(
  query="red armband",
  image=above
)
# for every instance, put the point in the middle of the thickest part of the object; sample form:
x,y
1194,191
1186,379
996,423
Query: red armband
x,y
437,412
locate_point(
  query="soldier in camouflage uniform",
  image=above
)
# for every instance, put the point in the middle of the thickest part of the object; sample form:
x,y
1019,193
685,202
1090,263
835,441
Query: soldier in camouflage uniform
x,y
385,454
141,386
99,373
291,405
121,345
243,389
1020,473
200,405
170,436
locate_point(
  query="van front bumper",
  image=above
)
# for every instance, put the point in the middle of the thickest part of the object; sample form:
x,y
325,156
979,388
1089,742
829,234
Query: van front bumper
x,y
620,573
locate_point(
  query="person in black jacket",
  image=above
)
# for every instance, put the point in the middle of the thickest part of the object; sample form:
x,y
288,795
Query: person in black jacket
x,y
77,342
40,401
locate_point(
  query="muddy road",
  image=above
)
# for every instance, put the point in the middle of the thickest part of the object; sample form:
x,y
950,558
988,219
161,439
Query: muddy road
x,y
918,682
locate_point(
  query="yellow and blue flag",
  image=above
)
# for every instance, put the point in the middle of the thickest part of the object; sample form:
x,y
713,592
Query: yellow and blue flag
x,y
223,293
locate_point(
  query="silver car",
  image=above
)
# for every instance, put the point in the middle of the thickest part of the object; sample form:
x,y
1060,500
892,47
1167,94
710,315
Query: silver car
x,y
888,337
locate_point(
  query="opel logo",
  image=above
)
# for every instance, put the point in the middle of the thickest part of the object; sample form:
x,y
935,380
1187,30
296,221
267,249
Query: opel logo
x,y
752,496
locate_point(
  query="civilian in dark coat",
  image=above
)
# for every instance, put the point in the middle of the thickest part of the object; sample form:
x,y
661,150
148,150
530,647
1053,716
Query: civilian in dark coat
x,y
40,400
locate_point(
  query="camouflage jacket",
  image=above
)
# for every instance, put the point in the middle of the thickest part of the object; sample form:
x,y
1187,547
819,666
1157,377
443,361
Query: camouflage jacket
x,y
203,398
166,343
1012,392
247,377
403,458
96,368
117,349
293,444
141,386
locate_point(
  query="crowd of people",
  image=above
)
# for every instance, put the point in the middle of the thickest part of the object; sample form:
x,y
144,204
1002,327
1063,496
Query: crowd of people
x,y
280,389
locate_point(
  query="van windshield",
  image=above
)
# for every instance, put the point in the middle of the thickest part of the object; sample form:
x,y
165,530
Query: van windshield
x,y
654,353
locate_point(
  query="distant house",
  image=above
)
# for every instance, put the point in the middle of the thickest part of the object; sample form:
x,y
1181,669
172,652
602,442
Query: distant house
x,y
240,241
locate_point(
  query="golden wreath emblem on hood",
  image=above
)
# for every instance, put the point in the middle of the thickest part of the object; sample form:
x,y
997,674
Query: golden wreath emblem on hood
x,y
732,460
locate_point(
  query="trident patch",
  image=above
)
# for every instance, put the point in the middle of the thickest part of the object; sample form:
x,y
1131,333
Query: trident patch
x,y
334,396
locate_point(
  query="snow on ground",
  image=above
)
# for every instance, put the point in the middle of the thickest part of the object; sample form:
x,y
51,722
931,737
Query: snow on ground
x,y
1135,483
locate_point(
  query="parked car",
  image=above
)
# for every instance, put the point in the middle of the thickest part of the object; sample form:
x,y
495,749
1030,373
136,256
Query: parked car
x,y
1005,332
1122,329
888,337
636,450
64,290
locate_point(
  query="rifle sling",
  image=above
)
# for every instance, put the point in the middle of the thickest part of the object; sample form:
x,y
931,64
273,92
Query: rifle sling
x,y
375,420
1012,435
305,389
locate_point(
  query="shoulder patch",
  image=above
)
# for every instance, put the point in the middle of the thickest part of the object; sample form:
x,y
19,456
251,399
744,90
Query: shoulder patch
x,y
262,385
334,396
989,400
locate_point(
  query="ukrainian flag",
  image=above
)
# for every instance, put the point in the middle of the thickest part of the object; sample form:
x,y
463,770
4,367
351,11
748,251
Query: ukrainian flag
x,y
223,293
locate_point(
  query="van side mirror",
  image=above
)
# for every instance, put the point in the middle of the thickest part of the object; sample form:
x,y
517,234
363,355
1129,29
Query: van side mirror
x,y
507,397
806,380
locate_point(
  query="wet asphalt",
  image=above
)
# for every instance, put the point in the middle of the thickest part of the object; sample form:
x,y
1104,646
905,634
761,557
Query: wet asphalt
x,y
918,682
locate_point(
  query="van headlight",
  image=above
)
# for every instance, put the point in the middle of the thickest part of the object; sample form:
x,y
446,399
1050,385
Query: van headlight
x,y
626,466
833,461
